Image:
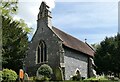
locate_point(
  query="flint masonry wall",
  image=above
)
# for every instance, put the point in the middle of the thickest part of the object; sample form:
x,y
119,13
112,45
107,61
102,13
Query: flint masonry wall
x,y
74,60
53,44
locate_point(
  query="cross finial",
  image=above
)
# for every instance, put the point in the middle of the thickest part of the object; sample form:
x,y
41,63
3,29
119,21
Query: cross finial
x,y
85,40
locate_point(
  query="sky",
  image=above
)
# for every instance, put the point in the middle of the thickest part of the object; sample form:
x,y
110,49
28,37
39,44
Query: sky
x,y
89,19
119,17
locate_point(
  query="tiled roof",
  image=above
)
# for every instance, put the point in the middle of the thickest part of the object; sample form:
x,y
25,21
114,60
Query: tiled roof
x,y
73,43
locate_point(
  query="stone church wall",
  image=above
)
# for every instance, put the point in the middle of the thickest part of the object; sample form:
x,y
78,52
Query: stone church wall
x,y
53,44
75,60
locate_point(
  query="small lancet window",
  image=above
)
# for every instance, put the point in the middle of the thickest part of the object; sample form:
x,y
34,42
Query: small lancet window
x,y
41,52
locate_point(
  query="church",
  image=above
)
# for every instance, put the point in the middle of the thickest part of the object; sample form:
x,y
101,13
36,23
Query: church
x,y
58,49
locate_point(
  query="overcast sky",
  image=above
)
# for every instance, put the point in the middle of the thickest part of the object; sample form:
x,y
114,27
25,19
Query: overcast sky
x,y
90,19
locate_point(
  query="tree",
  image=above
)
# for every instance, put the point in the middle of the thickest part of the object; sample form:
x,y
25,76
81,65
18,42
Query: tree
x,y
9,9
15,43
14,37
108,55
116,56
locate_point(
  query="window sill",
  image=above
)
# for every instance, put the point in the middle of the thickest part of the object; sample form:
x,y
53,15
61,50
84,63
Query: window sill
x,y
42,62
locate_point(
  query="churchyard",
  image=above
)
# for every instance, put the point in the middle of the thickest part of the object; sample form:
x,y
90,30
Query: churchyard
x,y
44,73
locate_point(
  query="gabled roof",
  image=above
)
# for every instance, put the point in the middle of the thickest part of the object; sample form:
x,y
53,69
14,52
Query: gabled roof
x,y
74,43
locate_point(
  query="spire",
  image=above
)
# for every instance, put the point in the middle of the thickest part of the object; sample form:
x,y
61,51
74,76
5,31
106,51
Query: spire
x,y
44,11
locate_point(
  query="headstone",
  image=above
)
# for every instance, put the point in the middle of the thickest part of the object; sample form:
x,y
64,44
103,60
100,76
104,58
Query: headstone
x,y
21,74
26,76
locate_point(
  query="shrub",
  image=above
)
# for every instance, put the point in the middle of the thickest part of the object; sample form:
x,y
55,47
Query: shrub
x,y
46,71
9,75
0,76
75,78
102,78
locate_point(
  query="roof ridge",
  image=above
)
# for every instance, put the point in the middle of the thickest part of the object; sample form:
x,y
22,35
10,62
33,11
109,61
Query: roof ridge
x,y
68,34
72,42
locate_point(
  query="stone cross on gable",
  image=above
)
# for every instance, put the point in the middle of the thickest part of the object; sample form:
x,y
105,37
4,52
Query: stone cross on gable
x,y
44,9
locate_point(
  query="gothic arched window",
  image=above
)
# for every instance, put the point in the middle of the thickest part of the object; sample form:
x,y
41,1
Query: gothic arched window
x,y
41,52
